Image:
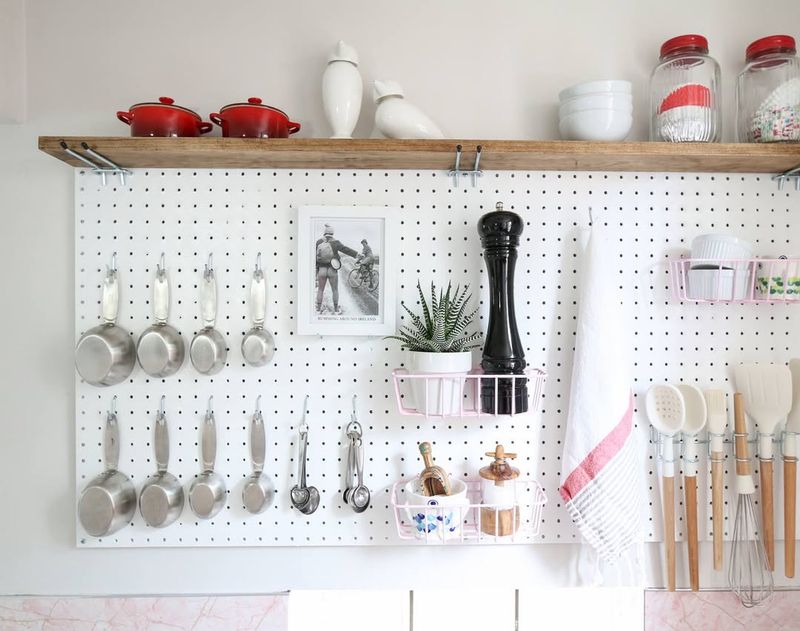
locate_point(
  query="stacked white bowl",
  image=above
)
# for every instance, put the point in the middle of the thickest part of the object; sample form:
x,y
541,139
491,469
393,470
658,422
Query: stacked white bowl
x,y
596,110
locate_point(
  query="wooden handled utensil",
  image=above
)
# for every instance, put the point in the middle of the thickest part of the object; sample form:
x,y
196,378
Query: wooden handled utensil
x,y
717,422
767,392
695,410
790,471
434,480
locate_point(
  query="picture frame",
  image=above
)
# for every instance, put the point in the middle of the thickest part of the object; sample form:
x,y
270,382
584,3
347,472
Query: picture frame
x,y
350,252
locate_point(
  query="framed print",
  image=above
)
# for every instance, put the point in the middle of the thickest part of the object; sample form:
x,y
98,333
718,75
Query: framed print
x,y
346,270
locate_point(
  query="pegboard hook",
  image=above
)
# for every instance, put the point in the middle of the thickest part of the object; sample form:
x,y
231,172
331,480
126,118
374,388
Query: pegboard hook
x,y
791,174
354,414
161,406
161,267
210,408
258,404
112,408
258,263
112,269
591,217
209,269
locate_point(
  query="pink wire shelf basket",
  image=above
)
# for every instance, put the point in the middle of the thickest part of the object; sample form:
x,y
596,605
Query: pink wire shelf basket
x,y
455,524
736,280
459,394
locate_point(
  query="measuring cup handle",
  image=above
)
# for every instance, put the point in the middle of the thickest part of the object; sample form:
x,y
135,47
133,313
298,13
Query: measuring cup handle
x,y
258,442
258,299
162,443
111,442
110,297
209,442
161,298
208,299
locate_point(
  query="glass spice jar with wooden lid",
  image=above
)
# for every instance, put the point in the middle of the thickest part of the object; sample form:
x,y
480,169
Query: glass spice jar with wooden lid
x,y
500,516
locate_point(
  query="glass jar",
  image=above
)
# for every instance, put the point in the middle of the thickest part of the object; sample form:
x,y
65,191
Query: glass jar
x,y
684,93
768,92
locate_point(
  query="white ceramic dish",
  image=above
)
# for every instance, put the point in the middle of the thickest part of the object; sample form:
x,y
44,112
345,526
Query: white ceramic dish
x,y
595,87
442,516
596,102
602,125
718,284
722,247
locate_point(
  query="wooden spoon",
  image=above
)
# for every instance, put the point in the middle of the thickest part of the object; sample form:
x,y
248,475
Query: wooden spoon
x,y
434,480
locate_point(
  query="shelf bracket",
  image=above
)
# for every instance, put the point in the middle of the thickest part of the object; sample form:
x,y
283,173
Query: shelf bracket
x,y
474,173
791,174
102,165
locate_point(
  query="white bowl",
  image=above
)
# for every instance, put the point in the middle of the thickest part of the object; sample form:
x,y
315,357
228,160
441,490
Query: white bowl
x,y
596,102
593,87
721,248
718,284
608,125
442,516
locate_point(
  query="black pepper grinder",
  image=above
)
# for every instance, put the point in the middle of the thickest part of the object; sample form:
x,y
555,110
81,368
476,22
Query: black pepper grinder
x,y
502,349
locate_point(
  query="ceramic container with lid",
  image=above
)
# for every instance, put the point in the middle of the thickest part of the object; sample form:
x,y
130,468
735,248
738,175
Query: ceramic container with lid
x,y
253,120
163,119
342,90
768,92
684,93
500,517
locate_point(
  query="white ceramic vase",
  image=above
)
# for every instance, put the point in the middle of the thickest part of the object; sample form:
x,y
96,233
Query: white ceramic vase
x,y
342,90
397,118
439,396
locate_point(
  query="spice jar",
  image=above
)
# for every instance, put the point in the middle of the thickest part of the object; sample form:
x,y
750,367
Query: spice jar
x,y
768,92
684,93
501,515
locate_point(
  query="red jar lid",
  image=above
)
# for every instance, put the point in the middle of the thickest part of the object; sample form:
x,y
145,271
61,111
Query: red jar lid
x,y
688,43
771,44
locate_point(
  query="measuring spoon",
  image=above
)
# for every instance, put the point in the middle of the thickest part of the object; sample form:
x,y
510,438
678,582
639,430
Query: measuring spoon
x,y
666,412
304,498
258,489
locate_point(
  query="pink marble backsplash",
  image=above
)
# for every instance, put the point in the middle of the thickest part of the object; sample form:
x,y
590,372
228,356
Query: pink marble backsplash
x,y
173,613
719,611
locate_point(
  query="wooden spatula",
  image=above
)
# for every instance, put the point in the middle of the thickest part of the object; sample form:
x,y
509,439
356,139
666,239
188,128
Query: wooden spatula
x,y
790,470
433,478
767,391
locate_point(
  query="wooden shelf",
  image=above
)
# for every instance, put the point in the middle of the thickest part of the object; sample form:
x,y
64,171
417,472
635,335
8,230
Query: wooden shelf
x,y
527,155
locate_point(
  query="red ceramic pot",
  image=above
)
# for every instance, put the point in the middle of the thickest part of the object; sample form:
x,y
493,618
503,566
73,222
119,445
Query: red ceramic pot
x,y
164,119
254,120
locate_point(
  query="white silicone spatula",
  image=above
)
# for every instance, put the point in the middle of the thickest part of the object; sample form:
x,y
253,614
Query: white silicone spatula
x,y
717,422
695,411
666,413
790,471
767,391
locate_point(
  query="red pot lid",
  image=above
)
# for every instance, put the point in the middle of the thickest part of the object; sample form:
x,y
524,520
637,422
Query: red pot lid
x,y
254,101
687,43
167,102
771,44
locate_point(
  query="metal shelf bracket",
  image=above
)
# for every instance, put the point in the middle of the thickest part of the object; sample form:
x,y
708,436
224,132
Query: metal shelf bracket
x,y
100,165
791,174
474,173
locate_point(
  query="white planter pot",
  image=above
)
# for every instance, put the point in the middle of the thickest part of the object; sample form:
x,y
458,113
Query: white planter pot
x,y
439,396
342,90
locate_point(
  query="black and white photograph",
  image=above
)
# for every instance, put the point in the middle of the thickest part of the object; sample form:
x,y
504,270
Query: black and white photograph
x,y
345,283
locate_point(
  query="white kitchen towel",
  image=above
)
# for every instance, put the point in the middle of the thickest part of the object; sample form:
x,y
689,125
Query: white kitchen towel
x,y
600,474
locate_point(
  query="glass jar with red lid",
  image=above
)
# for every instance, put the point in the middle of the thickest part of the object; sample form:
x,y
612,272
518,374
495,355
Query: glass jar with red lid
x,y
684,93
768,92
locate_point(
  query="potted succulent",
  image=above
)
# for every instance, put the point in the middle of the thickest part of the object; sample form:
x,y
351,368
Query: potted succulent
x,y
438,342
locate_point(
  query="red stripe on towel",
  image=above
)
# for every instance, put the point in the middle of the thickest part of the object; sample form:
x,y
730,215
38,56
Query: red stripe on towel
x,y
598,457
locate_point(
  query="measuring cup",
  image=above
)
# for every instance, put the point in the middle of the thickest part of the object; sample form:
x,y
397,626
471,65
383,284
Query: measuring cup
x,y
258,489
208,351
207,491
258,345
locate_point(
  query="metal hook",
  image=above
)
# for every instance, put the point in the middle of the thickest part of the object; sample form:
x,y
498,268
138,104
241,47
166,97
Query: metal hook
x,y
476,170
112,269
457,169
161,406
161,268
116,168
258,262
210,408
258,404
209,268
112,409
354,415
591,217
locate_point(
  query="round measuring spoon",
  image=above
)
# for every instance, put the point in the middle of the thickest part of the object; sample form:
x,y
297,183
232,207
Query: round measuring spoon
x,y
258,489
360,496
666,412
304,498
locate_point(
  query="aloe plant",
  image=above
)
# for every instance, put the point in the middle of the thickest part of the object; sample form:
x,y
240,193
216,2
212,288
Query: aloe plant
x,y
442,326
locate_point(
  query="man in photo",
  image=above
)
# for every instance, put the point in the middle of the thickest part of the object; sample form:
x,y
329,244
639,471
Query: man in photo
x,y
366,259
328,262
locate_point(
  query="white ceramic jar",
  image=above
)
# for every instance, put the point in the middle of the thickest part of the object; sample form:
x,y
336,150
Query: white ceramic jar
x,y
397,118
342,91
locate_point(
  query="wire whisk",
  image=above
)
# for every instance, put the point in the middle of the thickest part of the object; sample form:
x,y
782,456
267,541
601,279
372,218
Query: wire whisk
x,y
749,576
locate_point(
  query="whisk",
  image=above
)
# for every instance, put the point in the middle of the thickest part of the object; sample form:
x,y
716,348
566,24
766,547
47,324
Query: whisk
x,y
748,574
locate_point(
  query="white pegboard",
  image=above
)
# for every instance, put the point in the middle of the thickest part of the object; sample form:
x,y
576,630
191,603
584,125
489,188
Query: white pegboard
x,y
235,214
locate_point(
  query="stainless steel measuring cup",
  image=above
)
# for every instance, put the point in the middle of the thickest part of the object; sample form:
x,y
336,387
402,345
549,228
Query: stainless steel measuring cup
x,y
208,350
106,355
161,350
161,498
108,502
207,491
258,345
258,489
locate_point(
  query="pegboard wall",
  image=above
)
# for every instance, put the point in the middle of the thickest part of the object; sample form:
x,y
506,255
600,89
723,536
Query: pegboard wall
x,y
235,214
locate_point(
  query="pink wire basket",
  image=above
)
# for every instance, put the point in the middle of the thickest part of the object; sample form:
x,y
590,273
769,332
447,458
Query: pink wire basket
x,y
736,280
447,524
459,394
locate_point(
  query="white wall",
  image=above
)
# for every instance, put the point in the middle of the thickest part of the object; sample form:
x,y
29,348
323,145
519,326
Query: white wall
x,y
481,69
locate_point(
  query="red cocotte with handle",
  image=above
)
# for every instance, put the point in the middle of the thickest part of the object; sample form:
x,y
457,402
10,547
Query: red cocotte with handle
x,y
164,119
254,120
